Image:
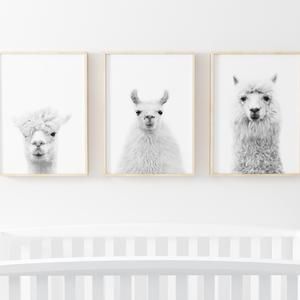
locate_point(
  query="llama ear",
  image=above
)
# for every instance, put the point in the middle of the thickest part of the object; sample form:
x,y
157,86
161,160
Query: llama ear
x,y
165,98
134,97
274,78
235,80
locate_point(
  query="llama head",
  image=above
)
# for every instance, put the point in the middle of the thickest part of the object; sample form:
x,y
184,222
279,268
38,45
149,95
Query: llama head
x,y
149,113
256,100
40,130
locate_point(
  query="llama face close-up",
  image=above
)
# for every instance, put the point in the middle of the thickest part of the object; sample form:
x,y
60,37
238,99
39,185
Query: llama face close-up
x,y
149,113
40,130
40,146
256,98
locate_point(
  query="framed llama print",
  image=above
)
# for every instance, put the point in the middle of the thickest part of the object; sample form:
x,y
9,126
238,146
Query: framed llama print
x,y
150,114
255,109
43,113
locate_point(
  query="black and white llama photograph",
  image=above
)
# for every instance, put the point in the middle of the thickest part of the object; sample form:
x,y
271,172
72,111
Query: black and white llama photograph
x,y
43,113
255,117
150,114
40,131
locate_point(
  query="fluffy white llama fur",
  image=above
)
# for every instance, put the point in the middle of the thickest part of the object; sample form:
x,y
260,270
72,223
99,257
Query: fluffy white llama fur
x,y
150,146
40,130
257,128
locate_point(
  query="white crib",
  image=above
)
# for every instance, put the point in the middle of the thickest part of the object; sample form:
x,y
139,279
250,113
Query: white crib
x,y
147,261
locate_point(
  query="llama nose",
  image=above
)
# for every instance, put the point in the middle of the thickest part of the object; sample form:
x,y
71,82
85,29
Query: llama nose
x,y
38,143
254,110
149,117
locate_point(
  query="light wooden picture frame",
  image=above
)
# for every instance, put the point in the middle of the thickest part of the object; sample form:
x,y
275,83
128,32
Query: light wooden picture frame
x,y
137,86
254,114
44,107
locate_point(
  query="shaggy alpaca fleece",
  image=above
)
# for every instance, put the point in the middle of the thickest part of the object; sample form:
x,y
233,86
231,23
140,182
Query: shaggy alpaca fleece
x,y
150,146
40,130
151,152
256,141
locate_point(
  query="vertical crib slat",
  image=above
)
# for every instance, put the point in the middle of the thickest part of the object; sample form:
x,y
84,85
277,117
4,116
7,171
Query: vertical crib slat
x,y
77,250
193,285
14,288
77,247
296,248
255,247
35,253
214,247
277,281
235,248
237,287
251,283
130,251
15,249
4,255
245,247
266,247
125,287
110,285
70,287
129,247
162,250
209,287
98,287
55,282
98,247
287,252
182,246
182,282
153,287
88,245
120,246
223,282
287,248
172,251
265,287
42,287
4,247
26,281
56,247
292,287
203,246
140,281
224,247
4,287
36,249
151,247
181,287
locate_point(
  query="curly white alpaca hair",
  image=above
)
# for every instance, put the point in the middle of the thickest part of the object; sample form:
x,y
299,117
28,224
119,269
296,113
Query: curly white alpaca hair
x,y
257,127
40,129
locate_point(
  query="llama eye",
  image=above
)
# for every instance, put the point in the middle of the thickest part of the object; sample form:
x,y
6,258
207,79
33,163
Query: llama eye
x,y
138,112
160,112
53,134
243,98
266,98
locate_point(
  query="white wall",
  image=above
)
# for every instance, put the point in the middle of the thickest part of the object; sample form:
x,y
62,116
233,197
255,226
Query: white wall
x,y
190,25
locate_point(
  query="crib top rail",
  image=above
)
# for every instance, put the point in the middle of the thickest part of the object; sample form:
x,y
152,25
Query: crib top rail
x,y
150,230
146,265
